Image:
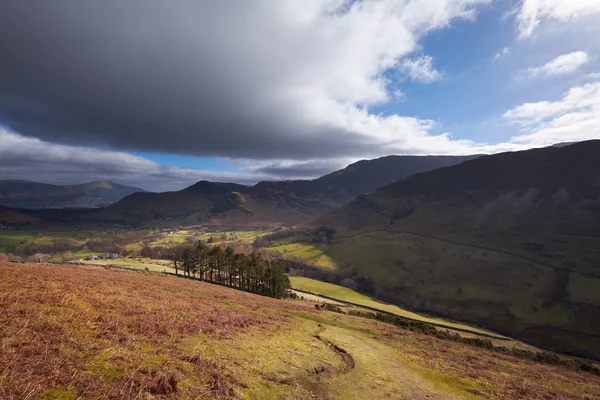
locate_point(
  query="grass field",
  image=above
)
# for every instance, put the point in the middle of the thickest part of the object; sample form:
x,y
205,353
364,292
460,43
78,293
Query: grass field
x,y
75,332
496,288
138,263
42,240
348,295
307,252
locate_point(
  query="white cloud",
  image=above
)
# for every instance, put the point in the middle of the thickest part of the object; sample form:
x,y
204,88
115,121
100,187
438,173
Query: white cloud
x,y
561,65
28,158
575,117
532,12
503,53
420,69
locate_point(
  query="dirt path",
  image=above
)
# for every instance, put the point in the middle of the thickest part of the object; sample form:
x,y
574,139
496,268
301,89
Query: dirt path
x,y
347,359
376,368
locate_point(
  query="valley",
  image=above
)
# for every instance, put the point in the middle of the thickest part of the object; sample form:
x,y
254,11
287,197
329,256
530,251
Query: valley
x,y
461,254
513,249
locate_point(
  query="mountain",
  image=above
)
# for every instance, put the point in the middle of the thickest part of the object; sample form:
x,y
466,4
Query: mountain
x,y
228,204
108,191
509,241
367,175
13,217
271,203
27,194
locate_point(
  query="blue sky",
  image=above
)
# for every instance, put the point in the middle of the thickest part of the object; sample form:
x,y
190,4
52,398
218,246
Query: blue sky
x,y
289,89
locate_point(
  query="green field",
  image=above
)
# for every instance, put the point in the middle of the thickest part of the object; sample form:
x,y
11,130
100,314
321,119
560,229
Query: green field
x,y
42,239
13,238
307,252
41,236
348,295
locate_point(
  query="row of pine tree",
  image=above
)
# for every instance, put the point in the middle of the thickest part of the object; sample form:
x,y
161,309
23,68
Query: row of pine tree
x,y
251,272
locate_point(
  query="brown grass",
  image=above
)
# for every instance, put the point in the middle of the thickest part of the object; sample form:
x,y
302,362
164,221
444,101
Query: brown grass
x,y
72,332
88,331
498,375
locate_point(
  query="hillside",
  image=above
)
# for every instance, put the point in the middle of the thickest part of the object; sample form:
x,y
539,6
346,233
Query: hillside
x,y
13,217
367,175
108,191
271,203
27,194
509,241
78,332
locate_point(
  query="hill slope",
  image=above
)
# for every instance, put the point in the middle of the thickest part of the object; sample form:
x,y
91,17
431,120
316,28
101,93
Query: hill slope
x,y
13,217
27,194
92,333
108,191
270,203
509,241
367,175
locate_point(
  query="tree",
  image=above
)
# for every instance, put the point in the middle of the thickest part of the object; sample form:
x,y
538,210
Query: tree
x,y
228,261
202,259
255,272
188,262
349,283
148,252
175,253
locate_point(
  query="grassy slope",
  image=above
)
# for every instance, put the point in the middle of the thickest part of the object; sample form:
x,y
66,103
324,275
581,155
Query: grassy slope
x,y
42,236
307,252
86,333
9,216
350,296
495,289
509,241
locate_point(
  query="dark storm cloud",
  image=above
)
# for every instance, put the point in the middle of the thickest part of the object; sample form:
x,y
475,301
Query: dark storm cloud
x,y
268,80
154,75
304,170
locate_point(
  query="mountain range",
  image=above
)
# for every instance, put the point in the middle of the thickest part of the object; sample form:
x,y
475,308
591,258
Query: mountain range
x,y
510,241
272,203
28,194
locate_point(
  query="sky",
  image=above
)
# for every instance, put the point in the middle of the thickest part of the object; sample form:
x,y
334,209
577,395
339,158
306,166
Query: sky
x,y
160,94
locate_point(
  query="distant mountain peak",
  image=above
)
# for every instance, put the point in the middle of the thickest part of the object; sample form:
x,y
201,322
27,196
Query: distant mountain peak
x,y
28,194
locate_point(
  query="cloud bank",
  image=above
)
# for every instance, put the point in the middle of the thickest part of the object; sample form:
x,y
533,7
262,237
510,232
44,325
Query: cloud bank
x,y
575,117
23,157
268,80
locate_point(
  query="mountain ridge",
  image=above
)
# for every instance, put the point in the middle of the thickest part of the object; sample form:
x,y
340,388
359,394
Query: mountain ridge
x,y
19,193
510,241
272,203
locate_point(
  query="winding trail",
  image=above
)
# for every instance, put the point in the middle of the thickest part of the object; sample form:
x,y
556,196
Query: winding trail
x,y
375,367
347,359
